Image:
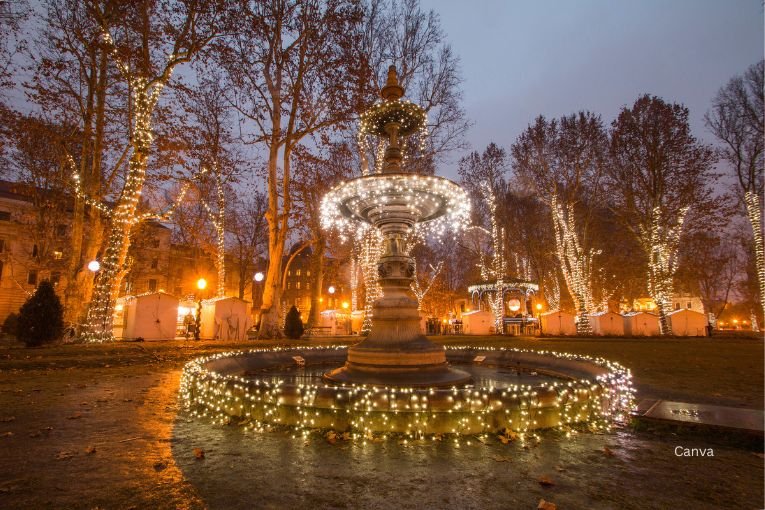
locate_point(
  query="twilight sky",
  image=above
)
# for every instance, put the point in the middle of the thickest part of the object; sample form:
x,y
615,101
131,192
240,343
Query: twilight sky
x,y
554,57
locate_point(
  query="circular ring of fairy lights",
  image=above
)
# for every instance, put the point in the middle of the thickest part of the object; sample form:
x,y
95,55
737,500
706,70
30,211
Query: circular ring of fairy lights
x,y
236,385
432,200
410,117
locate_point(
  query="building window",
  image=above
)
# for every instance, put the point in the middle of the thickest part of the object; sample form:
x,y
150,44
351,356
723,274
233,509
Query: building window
x,y
289,285
57,255
308,273
32,277
55,277
154,263
2,245
297,285
5,216
289,272
688,305
297,272
677,306
308,286
152,285
34,250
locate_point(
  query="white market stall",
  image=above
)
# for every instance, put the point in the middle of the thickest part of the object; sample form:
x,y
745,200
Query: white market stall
x,y
225,318
686,322
478,322
557,323
641,324
335,322
607,324
150,316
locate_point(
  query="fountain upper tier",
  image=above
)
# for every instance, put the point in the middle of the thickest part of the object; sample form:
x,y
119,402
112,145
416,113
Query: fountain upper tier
x,y
412,198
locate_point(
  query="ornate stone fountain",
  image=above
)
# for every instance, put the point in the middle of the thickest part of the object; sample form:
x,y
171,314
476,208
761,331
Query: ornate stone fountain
x,y
393,201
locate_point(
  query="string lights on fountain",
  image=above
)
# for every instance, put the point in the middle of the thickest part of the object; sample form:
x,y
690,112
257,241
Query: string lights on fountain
x,y
377,412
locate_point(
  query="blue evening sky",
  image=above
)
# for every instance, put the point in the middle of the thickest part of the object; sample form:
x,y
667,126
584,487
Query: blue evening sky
x,y
554,57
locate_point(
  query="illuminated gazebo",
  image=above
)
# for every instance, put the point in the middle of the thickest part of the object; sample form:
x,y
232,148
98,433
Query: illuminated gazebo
x,y
513,298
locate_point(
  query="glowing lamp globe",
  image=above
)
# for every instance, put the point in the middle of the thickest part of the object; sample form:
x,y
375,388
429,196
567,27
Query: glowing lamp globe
x,y
94,265
331,290
259,276
201,284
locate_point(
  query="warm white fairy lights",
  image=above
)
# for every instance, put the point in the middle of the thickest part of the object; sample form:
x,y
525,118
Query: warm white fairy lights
x,y
601,399
420,291
576,263
663,245
371,248
145,95
754,214
218,220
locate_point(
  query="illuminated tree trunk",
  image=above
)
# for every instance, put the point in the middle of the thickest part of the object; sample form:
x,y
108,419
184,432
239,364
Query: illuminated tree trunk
x,y
754,213
418,290
354,281
574,263
371,250
99,324
662,264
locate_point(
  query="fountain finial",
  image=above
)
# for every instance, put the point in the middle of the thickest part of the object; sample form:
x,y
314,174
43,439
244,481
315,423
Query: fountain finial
x,y
392,90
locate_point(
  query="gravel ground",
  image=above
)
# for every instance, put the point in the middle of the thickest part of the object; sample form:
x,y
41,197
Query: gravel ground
x,y
100,427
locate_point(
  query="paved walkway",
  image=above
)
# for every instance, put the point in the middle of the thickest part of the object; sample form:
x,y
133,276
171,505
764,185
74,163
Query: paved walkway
x,y
683,413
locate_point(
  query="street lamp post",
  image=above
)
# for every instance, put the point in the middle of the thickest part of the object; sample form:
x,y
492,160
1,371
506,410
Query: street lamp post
x,y
201,285
539,317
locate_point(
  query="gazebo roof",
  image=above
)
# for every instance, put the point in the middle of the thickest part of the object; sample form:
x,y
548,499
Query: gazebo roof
x,y
507,283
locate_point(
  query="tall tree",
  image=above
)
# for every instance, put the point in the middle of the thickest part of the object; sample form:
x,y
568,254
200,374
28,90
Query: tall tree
x,y
290,65
167,34
737,119
563,161
74,83
659,172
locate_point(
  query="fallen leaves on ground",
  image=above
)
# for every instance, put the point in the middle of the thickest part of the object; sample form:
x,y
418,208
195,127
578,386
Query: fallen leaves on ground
x,y
8,419
7,434
199,453
500,458
160,465
546,505
90,450
75,416
546,481
63,455
507,436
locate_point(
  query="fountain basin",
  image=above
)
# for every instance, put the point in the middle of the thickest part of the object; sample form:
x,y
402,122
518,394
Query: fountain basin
x,y
571,389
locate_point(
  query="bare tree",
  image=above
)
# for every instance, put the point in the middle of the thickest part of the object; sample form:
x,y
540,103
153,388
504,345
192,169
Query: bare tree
x,y
659,172
168,34
563,161
290,66
737,119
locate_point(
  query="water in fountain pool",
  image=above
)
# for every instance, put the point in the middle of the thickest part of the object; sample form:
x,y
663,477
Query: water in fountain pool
x,y
484,376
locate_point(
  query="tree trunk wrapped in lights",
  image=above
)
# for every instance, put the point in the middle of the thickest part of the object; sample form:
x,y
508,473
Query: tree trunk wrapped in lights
x,y
421,291
575,264
370,252
662,265
737,119
218,220
98,327
197,25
